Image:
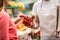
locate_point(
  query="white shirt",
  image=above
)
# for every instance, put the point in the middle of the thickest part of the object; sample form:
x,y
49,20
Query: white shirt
x,y
47,13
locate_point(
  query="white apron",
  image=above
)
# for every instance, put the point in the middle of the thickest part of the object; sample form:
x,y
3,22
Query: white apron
x,y
47,16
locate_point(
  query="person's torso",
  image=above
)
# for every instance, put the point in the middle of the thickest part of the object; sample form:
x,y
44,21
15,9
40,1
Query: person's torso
x,y
7,27
47,16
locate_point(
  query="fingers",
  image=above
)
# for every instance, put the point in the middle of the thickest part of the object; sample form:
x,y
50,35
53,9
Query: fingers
x,y
17,20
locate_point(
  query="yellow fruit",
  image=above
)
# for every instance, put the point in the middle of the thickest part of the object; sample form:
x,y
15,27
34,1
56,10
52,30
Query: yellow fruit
x,y
13,4
20,26
22,7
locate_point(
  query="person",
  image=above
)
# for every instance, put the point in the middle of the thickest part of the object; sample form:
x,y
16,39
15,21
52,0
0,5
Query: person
x,y
46,12
7,27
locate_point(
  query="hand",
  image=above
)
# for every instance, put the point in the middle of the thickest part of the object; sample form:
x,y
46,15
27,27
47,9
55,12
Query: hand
x,y
18,19
58,34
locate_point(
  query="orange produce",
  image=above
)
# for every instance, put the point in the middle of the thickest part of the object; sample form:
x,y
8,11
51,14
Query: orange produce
x,y
20,26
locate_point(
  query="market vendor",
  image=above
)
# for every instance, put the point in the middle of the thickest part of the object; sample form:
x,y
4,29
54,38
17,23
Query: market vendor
x,y
46,12
8,29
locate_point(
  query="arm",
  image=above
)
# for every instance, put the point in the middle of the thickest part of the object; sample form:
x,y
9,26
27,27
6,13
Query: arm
x,y
36,19
58,29
36,22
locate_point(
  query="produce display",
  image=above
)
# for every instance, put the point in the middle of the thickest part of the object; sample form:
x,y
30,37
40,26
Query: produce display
x,y
13,4
25,21
21,6
20,26
24,25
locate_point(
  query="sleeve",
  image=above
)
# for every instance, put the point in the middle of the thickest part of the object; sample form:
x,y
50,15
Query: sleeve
x,y
12,31
34,9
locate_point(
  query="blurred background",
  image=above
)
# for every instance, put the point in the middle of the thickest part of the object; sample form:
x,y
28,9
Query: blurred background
x,y
25,7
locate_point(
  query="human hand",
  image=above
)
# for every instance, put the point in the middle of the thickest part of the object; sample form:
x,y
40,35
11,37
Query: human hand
x,y
57,34
19,18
